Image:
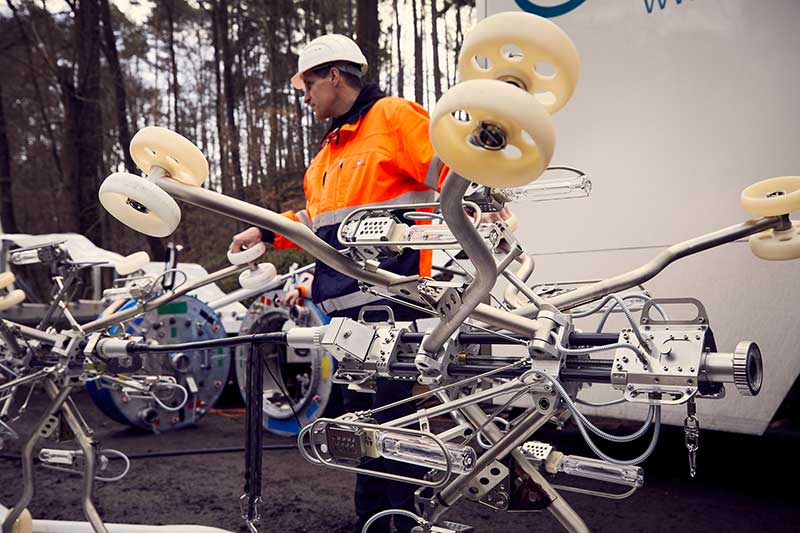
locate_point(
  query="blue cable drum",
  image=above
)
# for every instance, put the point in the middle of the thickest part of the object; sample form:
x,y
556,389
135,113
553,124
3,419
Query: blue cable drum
x,y
297,383
201,373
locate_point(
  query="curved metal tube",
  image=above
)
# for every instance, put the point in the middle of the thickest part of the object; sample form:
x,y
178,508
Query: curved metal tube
x,y
511,294
647,271
301,235
139,308
481,257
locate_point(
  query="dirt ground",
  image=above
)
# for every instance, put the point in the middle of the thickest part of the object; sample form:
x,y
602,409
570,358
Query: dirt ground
x,y
743,484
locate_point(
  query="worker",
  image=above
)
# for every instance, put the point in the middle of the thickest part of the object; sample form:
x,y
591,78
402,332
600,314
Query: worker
x,y
376,151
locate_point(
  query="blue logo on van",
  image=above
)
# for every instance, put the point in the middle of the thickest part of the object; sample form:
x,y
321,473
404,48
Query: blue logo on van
x,y
548,11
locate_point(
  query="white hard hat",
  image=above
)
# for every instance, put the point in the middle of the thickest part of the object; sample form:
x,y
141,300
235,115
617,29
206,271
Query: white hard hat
x,y
326,49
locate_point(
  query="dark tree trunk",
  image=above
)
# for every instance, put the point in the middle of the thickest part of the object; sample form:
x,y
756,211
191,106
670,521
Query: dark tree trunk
x,y
88,141
220,103
400,77
273,176
46,124
230,100
437,75
170,9
367,33
120,97
157,250
418,87
8,224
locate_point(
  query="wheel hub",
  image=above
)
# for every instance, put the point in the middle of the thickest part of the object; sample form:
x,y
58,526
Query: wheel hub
x,y
516,82
489,136
137,206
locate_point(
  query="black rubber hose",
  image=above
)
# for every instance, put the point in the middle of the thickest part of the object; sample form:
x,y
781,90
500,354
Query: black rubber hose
x,y
275,337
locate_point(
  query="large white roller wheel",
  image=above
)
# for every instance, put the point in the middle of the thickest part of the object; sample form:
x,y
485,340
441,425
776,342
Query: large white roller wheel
x,y
772,197
255,279
247,255
160,147
524,49
777,245
132,263
6,279
11,299
492,106
140,204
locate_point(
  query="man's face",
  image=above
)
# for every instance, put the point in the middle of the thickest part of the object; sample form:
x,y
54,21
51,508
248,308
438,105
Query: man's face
x,y
319,93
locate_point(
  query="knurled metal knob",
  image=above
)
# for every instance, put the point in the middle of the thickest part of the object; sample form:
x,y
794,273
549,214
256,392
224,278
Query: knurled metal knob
x,y
748,369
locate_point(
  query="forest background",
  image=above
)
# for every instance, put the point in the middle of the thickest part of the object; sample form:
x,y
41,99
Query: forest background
x,y
78,78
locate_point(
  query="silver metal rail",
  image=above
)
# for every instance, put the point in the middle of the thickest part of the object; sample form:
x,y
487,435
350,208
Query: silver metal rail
x,y
139,308
647,271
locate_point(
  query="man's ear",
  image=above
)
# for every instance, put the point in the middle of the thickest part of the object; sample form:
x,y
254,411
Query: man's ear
x,y
336,76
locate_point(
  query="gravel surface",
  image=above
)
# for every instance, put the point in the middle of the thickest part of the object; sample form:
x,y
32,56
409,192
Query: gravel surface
x,y
741,485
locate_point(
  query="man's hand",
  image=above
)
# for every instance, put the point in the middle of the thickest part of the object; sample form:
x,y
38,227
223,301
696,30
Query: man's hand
x,y
302,290
246,239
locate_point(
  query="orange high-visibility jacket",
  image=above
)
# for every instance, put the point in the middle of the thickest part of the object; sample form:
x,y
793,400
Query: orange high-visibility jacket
x,y
382,158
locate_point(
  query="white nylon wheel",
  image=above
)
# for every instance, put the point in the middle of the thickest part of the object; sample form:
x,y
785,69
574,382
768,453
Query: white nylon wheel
x,y
13,298
248,255
132,263
140,204
6,279
255,279
772,197
777,245
524,49
160,147
527,126
23,524
513,222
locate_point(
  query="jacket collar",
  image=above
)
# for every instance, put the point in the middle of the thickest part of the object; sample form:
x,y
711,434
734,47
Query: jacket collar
x,y
370,93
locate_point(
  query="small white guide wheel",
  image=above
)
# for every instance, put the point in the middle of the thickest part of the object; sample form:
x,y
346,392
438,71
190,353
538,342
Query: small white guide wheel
x,y
247,255
132,263
260,277
13,298
6,279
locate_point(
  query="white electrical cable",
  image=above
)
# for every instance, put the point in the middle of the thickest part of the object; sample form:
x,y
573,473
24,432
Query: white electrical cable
x,y
111,451
625,310
181,404
580,418
628,462
608,311
600,404
378,516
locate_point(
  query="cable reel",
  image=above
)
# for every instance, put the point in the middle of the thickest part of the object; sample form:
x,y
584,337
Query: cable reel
x,y
201,373
297,382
